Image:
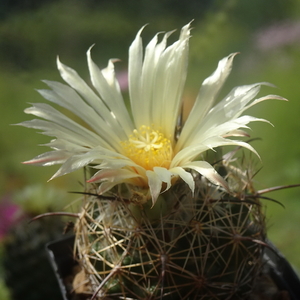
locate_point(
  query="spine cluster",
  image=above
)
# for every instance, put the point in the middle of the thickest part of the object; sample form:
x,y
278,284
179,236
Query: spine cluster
x,y
206,245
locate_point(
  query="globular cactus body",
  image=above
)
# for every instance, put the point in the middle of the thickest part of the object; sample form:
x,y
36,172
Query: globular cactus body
x,y
201,246
166,224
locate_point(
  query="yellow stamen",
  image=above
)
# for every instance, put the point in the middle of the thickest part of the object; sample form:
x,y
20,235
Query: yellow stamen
x,y
148,148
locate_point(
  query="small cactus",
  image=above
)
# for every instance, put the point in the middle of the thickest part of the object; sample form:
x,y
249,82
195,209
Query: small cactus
x,y
27,270
206,245
158,220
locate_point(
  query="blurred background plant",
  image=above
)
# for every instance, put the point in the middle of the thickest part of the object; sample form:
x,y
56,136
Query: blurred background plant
x,y
267,33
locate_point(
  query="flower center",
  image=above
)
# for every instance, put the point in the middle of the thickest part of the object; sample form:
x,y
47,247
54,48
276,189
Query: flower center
x,y
148,148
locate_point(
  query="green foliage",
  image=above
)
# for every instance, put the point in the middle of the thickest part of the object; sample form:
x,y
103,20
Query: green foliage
x,y
38,199
30,39
4,292
254,14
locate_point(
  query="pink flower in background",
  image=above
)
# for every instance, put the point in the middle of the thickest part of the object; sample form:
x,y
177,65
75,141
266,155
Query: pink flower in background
x,y
278,35
10,214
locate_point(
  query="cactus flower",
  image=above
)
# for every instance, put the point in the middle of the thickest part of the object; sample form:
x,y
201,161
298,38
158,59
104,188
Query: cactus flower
x,y
140,145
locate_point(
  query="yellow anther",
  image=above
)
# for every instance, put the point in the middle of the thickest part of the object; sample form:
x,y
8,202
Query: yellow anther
x,y
148,148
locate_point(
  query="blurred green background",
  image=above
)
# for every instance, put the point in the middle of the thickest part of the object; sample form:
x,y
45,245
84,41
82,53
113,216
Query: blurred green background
x,y
267,33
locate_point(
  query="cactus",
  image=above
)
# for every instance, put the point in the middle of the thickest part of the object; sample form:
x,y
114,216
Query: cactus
x,y
28,272
27,269
158,219
206,245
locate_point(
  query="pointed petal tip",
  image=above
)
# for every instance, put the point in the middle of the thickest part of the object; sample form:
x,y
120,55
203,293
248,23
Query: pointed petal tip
x,y
59,64
31,162
92,179
58,60
188,25
186,31
57,174
234,54
34,161
90,48
114,60
276,97
218,180
265,83
17,124
54,176
140,31
209,172
191,22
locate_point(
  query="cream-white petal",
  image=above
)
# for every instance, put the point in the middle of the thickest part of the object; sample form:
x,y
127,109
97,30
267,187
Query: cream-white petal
x,y
113,175
73,163
156,82
64,128
147,86
185,176
206,98
105,83
170,78
78,84
205,169
190,153
61,133
230,108
49,113
259,100
164,175
106,187
119,163
233,104
49,158
155,184
135,64
80,160
225,128
153,53
66,97
68,146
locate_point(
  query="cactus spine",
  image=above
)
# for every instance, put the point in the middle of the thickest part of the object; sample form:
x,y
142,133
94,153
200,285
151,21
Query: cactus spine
x,y
194,240
202,246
